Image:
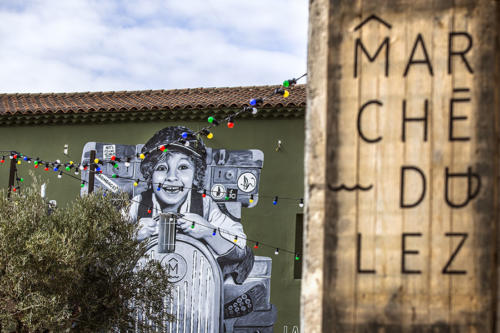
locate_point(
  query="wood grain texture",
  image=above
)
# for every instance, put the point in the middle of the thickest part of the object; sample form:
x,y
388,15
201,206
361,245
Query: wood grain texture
x,y
315,158
390,262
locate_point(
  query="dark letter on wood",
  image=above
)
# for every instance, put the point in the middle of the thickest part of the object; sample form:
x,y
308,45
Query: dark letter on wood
x,y
420,61
453,118
402,203
358,259
359,44
359,122
471,194
404,252
452,53
407,119
454,254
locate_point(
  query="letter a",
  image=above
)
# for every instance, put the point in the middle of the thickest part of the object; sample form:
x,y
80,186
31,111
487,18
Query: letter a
x,y
425,61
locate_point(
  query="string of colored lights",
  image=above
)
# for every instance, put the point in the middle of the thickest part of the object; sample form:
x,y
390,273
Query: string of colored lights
x,y
57,165
257,243
254,102
194,223
236,237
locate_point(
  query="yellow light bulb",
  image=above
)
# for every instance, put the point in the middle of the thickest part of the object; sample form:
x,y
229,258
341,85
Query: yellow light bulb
x,y
71,162
286,94
18,162
251,200
142,156
135,183
210,135
96,161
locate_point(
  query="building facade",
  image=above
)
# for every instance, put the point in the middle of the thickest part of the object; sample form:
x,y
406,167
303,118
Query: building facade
x,y
41,125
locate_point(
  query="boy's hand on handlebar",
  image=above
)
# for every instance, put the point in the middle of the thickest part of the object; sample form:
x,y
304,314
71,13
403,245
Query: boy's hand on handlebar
x,y
148,227
202,228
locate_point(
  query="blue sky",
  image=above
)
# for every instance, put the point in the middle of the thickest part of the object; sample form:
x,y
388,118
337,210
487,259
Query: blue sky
x,y
104,45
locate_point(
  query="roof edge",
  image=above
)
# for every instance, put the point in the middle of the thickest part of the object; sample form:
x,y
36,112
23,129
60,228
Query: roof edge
x,y
145,116
144,92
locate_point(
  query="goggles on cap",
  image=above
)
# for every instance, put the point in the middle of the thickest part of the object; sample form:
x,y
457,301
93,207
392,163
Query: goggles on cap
x,y
191,146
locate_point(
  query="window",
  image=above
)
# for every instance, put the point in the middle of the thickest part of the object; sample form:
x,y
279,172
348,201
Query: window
x,y
299,231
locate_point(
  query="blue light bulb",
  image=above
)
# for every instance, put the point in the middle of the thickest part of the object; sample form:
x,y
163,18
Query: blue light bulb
x,y
184,135
256,101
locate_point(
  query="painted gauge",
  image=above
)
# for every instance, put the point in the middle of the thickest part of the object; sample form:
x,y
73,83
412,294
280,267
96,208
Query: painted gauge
x,y
247,182
218,192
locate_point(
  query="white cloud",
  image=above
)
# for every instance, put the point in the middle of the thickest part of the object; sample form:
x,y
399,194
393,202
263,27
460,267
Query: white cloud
x,y
54,46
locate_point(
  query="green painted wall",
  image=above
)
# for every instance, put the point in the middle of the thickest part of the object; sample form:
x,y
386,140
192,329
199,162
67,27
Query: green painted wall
x,y
282,175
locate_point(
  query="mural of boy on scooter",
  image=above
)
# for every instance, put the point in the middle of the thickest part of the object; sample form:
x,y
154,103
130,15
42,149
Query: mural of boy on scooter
x,y
219,285
175,179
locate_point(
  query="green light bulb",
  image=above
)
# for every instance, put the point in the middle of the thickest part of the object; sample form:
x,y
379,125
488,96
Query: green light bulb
x,y
21,179
286,84
210,119
68,168
116,165
297,257
114,175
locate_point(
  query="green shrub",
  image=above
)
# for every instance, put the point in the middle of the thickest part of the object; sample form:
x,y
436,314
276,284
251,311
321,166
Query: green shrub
x,y
72,269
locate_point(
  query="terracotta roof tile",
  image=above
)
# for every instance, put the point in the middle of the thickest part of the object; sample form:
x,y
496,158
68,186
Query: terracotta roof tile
x,y
147,100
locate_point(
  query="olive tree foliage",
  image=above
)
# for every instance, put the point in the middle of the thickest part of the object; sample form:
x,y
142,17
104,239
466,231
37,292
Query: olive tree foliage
x,y
74,268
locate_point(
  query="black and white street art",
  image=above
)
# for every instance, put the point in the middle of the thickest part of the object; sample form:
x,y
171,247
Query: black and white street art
x,y
187,199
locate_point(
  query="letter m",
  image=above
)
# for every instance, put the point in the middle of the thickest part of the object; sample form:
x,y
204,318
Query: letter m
x,y
173,265
172,268
359,45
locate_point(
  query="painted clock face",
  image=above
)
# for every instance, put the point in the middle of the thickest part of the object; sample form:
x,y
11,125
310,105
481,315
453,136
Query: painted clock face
x,y
247,182
218,191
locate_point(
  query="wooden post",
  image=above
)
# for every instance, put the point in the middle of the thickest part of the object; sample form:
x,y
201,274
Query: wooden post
x,y
402,166
12,175
91,171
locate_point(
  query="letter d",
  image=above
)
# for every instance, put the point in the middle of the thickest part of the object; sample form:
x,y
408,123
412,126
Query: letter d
x,y
402,203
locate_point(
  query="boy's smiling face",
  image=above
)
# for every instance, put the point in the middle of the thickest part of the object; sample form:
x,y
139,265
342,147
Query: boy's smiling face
x,y
171,174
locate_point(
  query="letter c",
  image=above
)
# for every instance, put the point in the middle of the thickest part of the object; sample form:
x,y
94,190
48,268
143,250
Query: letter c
x,y
360,113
